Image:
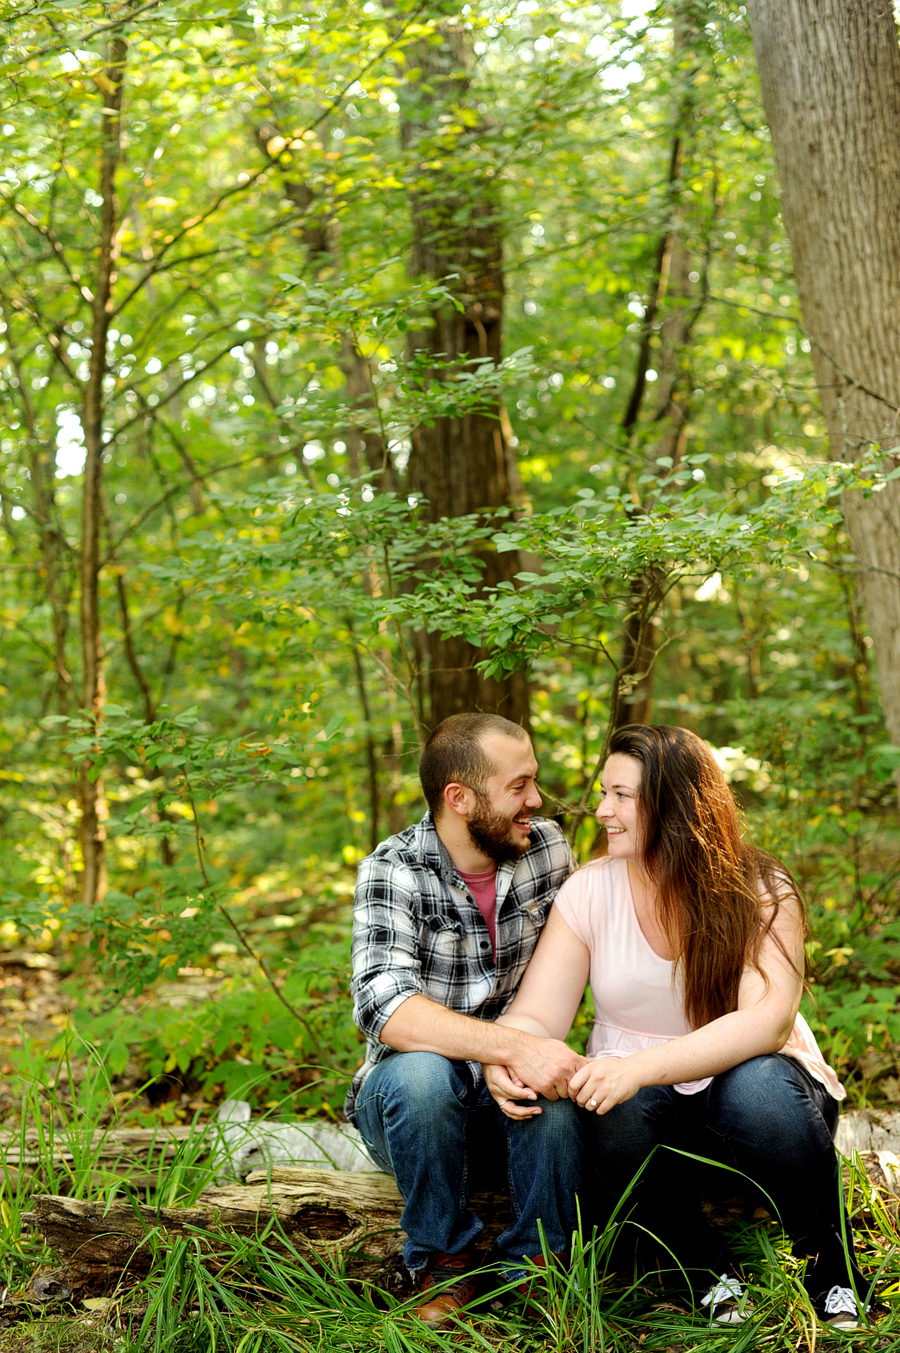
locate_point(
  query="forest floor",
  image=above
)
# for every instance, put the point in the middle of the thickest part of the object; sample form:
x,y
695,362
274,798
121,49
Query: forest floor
x,y
292,1307
35,1009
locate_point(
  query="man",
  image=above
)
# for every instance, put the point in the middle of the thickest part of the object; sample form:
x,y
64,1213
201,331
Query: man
x,y
446,917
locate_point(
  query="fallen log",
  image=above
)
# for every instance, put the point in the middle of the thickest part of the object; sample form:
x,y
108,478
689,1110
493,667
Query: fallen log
x,y
31,1146
317,1211
868,1130
233,1144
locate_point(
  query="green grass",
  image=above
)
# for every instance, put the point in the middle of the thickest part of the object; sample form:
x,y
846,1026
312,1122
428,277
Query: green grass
x,y
262,1302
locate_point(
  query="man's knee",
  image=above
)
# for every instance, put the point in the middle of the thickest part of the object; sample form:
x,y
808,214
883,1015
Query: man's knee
x,y
558,1119
419,1080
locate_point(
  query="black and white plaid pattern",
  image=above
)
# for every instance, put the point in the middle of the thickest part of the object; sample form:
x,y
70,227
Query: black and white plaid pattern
x,y
417,929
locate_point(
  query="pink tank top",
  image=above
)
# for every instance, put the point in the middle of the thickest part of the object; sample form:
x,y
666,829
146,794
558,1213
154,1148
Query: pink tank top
x,y
637,995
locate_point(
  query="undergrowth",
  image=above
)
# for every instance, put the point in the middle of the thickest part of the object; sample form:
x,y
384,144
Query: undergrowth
x,y
262,1301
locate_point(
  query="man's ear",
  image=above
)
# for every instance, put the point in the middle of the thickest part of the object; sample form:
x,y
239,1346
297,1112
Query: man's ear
x,y
456,799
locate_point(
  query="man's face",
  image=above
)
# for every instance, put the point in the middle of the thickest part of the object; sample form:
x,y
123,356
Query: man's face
x,y
500,820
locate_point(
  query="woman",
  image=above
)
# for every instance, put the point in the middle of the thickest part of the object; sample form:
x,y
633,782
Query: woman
x,y
693,943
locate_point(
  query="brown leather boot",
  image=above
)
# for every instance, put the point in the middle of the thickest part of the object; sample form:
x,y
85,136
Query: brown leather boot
x,y
450,1273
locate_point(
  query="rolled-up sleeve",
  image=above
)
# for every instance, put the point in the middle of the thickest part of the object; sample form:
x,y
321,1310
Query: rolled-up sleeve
x,y
386,966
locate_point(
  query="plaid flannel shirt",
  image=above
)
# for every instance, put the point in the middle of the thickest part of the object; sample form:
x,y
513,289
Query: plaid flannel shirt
x,y
417,929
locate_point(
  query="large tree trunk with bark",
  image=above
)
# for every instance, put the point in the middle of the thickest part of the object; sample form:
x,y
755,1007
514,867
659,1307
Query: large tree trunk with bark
x,y
460,464
830,74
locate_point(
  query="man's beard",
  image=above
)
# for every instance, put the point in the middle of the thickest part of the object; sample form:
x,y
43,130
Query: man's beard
x,y
492,833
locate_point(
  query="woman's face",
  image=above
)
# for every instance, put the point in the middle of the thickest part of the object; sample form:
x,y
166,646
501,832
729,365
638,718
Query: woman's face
x,y
619,810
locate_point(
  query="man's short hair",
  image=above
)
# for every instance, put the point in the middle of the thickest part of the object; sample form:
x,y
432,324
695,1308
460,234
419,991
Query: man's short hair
x,y
454,754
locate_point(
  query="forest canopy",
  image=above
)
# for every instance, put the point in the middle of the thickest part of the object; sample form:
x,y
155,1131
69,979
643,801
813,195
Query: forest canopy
x,y
365,362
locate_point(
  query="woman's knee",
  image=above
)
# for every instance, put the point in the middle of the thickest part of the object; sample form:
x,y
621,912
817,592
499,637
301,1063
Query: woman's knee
x,y
766,1098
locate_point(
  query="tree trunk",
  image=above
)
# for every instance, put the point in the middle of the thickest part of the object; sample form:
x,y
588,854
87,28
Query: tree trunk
x,y
673,307
90,790
634,684
459,465
830,75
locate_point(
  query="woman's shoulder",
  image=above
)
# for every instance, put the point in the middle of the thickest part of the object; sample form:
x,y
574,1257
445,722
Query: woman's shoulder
x,y
593,882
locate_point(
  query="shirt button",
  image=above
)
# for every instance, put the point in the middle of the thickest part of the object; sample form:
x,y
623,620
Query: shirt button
x,y
485,944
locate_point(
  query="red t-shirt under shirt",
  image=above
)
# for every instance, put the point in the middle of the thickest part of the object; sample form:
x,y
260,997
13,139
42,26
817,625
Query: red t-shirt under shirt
x,y
483,888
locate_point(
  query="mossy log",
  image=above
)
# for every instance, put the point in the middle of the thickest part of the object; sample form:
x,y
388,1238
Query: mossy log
x,y
138,1154
313,1210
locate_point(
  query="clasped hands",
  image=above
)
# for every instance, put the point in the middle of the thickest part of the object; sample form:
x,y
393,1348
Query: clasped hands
x,y
554,1071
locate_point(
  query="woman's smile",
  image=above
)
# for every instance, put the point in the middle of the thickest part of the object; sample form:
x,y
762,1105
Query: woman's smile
x,y
619,808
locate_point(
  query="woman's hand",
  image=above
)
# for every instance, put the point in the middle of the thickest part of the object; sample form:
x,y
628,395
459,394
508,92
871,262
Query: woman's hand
x,y
604,1082
506,1090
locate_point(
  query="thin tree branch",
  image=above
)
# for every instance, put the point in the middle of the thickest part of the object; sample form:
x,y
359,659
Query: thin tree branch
x,y
793,319
67,44
32,311
245,943
254,178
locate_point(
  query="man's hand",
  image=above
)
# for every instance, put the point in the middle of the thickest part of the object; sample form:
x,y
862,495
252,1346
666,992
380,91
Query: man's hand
x,y
544,1065
421,1025
604,1082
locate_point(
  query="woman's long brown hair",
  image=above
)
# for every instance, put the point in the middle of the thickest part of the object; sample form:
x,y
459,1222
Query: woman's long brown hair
x,y
710,883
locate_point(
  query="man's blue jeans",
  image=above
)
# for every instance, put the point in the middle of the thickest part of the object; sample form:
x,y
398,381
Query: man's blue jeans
x,y
426,1123
767,1118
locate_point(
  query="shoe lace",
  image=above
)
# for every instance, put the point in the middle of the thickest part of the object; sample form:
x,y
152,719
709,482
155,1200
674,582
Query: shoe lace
x,y
841,1301
726,1289
449,1263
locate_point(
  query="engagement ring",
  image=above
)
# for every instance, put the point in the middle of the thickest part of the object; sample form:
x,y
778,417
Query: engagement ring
x,y
592,1103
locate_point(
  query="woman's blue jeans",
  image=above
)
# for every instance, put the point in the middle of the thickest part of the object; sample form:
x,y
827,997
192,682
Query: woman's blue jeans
x,y
426,1123
767,1118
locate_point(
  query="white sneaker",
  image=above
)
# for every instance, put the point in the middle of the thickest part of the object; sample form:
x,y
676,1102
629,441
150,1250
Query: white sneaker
x,y
839,1309
726,1301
